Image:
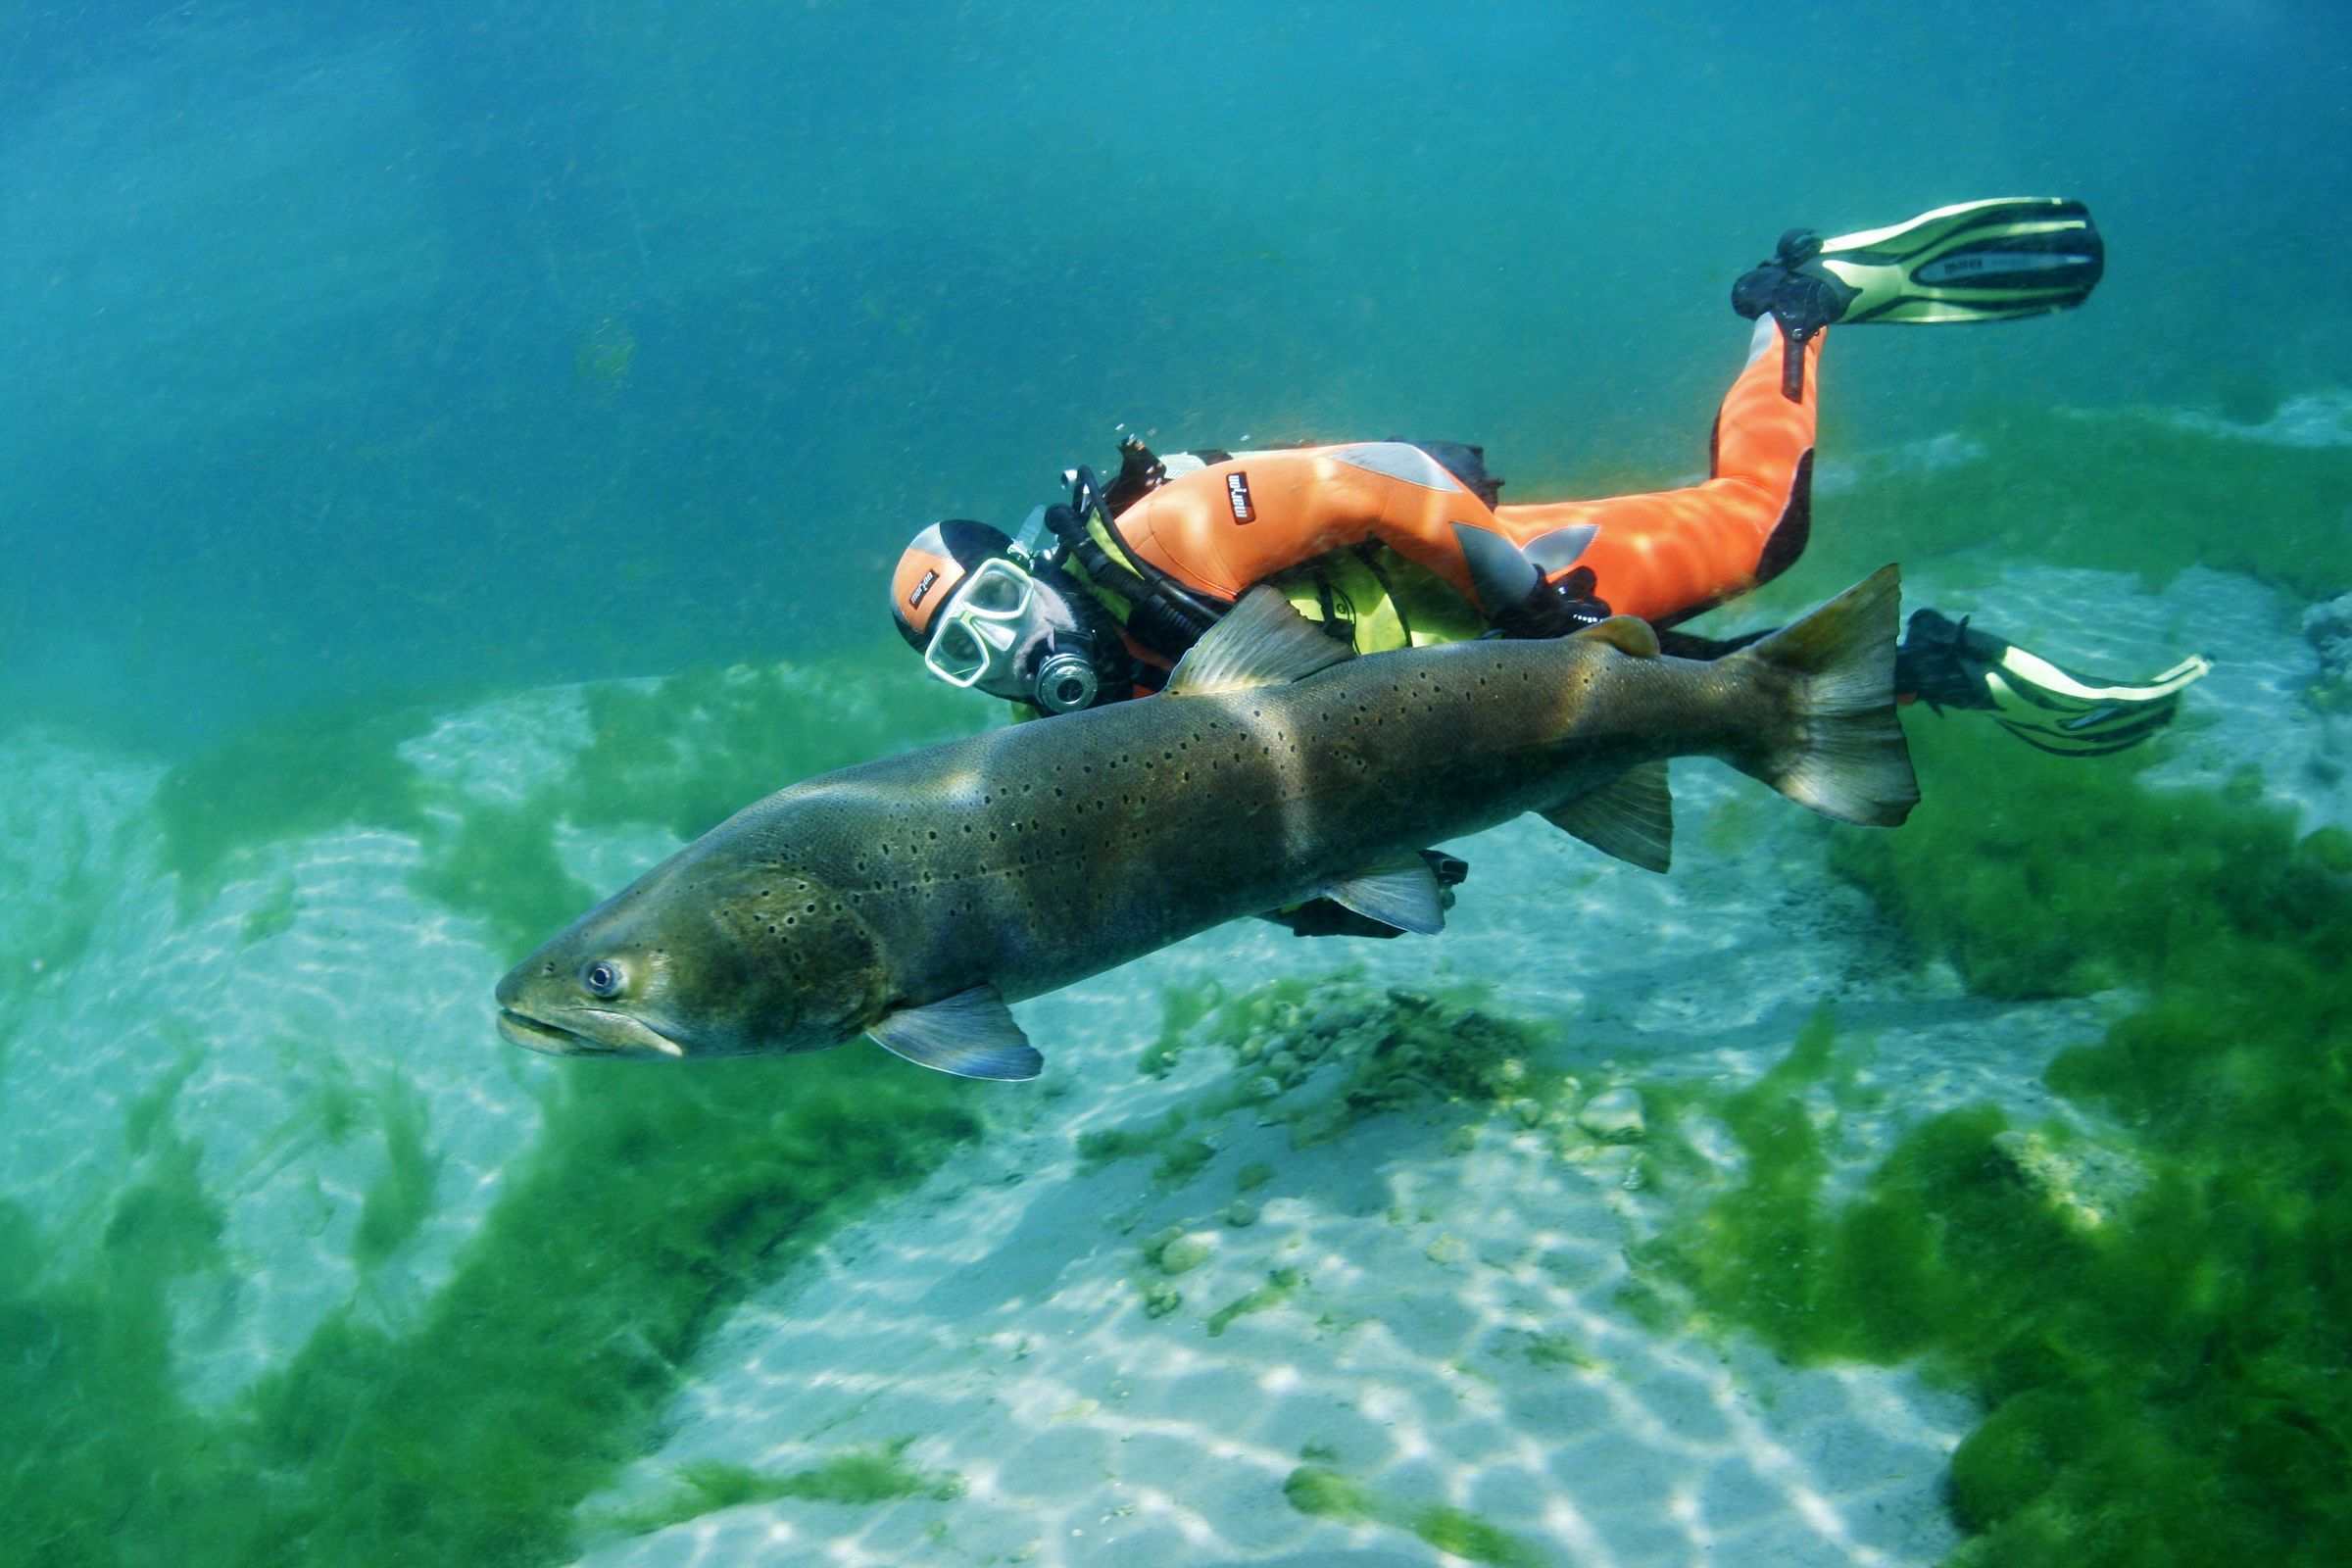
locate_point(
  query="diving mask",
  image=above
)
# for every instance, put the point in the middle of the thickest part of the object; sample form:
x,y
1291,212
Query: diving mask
x,y
983,629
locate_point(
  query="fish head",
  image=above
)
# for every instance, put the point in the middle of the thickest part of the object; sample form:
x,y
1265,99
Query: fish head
x,y
694,960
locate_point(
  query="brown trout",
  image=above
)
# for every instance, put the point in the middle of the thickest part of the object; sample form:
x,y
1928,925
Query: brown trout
x,y
912,899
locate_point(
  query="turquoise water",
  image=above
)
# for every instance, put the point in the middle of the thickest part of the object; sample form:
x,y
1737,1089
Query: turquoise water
x,y
454,454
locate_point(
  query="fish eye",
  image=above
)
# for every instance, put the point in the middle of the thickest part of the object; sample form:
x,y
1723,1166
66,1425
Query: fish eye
x,y
602,978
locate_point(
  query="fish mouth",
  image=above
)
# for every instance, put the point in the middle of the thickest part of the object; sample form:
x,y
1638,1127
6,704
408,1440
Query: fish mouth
x,y
617,1034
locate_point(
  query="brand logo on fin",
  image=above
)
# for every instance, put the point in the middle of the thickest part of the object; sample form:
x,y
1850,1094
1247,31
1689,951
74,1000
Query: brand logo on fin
x,y
1237,492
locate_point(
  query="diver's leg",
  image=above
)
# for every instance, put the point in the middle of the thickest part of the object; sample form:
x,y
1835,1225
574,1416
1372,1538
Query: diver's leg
x,y
1668,555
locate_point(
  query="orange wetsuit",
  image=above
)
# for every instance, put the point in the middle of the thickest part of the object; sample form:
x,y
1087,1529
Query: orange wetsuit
x,y
1664,555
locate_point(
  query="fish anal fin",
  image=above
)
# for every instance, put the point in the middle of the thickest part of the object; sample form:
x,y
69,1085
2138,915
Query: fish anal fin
x,y
971,1034
1630,816
1628,633
1262,641
1403,894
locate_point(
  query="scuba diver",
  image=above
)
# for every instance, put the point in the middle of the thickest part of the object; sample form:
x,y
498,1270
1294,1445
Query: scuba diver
x,y
1394,544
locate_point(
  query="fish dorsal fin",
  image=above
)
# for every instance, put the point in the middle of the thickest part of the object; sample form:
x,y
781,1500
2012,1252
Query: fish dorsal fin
x,y
1262,641
1630,816
1628,633
970,1034
1403,894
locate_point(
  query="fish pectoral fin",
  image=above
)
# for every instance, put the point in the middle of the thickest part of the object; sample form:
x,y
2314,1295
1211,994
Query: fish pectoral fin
x,y
970,1034
1630,816
1262,641
1627,633
1403,894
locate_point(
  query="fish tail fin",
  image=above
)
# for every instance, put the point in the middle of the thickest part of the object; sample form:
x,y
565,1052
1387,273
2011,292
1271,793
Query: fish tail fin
x,y
1841,750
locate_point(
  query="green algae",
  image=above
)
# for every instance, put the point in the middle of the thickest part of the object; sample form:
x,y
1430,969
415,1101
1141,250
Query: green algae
x,y
1281,1284
1462,1534
1557,1351
1387,1048
273,915
402,1197
43,950
653,1205
650,1204
1182,1158
1176,1251
689,751
653,1201
1321,1054
681,753
2046,876
94,1339
499,866
854,1476
2160,1360
1106,1146
288,778
2166,495
866,1475
1325,1494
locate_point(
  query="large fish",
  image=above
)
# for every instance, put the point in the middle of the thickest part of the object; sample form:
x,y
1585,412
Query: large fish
x,y
912,899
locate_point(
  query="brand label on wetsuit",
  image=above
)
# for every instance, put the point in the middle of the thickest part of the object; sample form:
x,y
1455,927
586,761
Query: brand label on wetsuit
x,y
1236,491
915,600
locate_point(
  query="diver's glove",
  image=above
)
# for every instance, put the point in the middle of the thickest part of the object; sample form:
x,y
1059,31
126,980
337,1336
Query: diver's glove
x,y
1554,607
1949,664
1328,917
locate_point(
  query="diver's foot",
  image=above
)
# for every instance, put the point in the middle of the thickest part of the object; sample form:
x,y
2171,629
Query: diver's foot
x,y
1800,296
1449,869
1949,664
1329,918
1987,261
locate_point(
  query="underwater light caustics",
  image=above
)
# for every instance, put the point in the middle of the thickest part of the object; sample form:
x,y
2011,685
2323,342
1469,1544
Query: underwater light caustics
x,y
912,899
